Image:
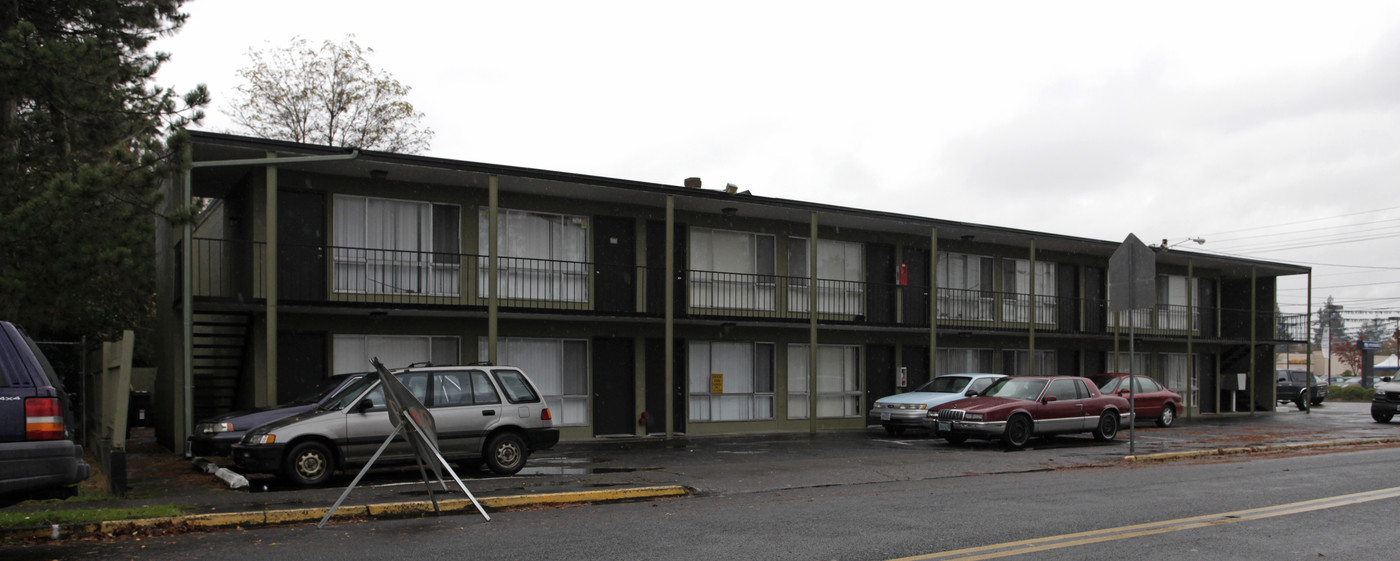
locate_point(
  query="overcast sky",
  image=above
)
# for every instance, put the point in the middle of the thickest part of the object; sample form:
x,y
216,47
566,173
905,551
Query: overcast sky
x,y
1271,129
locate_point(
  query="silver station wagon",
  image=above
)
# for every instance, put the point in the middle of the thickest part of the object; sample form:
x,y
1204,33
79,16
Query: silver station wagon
x,y
484,414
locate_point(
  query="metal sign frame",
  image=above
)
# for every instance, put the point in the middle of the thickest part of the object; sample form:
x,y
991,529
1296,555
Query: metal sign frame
x,y
415,423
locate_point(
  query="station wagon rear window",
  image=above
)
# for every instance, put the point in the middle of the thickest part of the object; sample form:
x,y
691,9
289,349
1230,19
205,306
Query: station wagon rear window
x,y
516,388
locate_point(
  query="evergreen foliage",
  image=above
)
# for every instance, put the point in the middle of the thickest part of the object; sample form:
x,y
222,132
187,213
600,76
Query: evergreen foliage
x,y
85,141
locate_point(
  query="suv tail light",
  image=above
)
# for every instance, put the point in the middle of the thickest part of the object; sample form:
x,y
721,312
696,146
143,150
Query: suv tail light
x,y
43,419
545,416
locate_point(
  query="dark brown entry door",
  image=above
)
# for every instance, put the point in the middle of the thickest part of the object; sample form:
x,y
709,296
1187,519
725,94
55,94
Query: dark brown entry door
x,y
301,237
614,386
614,264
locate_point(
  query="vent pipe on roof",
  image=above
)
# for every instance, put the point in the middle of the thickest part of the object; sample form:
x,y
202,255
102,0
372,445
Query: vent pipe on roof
x,y
692,183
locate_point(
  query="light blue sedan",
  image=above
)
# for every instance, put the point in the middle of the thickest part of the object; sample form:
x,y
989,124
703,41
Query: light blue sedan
x,y
906,410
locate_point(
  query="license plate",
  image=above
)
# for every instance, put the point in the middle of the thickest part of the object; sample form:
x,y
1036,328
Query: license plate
x,y
884,416
945,427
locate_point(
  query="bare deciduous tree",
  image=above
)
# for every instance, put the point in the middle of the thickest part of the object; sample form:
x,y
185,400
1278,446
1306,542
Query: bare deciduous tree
x,y
327,95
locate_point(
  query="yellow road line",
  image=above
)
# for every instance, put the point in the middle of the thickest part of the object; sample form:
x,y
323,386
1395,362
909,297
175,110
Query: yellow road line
x,y
1152,528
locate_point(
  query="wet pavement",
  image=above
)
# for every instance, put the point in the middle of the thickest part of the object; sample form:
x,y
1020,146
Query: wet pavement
x,y
735,464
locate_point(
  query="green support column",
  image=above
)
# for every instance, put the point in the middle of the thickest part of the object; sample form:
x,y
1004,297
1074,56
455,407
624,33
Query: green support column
x,y
492,265
933,304
1253,318
812,328
1032,317
670,330
268,393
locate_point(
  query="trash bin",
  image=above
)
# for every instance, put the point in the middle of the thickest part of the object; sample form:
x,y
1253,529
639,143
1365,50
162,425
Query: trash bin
x,y
138,411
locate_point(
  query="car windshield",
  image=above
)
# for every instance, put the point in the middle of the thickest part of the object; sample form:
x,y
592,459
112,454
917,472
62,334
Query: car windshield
x,y
347,394
1016,388
945,384
320,391
1106,384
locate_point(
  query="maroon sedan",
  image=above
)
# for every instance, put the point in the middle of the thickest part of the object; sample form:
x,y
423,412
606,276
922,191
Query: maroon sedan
x,y
1015,409
1151,399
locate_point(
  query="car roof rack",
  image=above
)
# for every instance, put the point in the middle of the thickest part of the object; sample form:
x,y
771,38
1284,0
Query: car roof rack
x,y
481,363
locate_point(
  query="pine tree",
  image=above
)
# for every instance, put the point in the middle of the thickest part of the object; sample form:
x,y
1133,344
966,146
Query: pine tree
x,y
85,141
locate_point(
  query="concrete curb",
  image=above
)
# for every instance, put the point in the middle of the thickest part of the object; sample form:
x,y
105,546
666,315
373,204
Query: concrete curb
x,y
1168,456
383,510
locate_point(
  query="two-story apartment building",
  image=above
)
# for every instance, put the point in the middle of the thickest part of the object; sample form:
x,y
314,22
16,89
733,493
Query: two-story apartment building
x,y
648,309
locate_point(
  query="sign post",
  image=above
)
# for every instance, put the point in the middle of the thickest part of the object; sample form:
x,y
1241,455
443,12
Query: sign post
x,y
1132,286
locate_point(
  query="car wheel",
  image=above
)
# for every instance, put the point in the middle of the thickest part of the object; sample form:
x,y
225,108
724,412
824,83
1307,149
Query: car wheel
x,y
308,463
1381,417
893,430
505,454
955,438
1318,401
1018,431
1168,416
1302,401
1108,427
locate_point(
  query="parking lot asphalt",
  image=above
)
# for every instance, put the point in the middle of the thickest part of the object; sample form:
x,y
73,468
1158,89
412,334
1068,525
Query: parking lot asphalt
x,y
657,469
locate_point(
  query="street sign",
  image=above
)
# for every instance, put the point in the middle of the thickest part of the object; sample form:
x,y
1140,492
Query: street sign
x,y
1368,345
1132,277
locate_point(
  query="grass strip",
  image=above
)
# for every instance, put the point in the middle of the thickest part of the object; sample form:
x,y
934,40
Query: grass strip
x,y
85,515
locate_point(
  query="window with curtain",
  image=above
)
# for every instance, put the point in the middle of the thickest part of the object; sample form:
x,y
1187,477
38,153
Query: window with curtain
x,y
1173,309
542,256
840,277
352,352
1140,363
390,246
1016,289
558,367
731,270
956,361
1018,363
730,381
965,286
1176,372
838,381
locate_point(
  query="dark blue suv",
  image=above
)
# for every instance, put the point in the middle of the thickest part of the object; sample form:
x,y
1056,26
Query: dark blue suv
x,y
38,458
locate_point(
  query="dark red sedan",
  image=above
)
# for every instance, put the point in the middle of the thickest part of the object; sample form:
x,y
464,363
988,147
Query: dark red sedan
x,y
1151,399
1015,409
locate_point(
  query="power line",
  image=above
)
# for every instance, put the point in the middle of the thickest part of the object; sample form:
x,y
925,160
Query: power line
x,y
1302,221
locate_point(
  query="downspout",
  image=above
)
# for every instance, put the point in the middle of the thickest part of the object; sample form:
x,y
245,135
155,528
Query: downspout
x,y
186,273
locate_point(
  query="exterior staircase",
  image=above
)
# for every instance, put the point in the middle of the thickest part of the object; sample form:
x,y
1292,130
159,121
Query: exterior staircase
x,y
219,346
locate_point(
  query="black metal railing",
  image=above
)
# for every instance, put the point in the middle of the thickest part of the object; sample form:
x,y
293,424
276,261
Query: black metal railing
x,y
234,270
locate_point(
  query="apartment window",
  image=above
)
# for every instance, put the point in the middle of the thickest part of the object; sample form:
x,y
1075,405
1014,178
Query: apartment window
x,y
389,246
838,381
558,367
840,277
541,256
1139,364
1176,375
1016,285
1018,363
730,381
352,352
965,289
731,270
1173,309
955,361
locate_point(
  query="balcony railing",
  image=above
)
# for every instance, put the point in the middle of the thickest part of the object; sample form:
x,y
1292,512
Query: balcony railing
x,y
232,270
